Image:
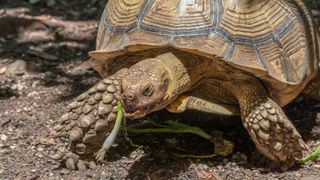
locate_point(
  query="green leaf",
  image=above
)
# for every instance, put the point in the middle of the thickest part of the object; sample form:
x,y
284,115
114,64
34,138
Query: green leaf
x,y
34,1
51,3
312,156
112,136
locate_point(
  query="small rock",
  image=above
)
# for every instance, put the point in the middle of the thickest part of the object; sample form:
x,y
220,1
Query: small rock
x,y
207,175
5,120
5,151
1,168
33,93
64,172
3,69
19,87
45,141
35,84
3,137
81,166
17,68
26,109
309,177
92,165
81,69
39,154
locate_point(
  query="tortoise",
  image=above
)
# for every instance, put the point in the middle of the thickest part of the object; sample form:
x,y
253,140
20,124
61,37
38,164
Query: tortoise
x,y
227,57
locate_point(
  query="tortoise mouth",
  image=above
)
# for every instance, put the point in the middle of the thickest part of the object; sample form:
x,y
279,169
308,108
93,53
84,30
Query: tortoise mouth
x,y
140,112
137,113
133,111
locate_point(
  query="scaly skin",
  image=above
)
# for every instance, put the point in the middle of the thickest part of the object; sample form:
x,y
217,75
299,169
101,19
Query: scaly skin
x,y
83,128
272,132
153,84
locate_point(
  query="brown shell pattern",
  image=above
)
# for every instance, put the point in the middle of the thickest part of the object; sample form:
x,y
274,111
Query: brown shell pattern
x,y
271,38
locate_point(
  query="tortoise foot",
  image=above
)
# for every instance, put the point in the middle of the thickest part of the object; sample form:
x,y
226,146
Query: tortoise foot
x,y
274,135
261,160
83,128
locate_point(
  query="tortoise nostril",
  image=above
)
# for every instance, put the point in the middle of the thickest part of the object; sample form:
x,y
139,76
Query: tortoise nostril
x,y
128,100
129,97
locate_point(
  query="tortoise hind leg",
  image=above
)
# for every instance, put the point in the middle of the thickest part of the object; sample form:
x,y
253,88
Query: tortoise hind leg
x,y
210,97
312,90
183,103
272,132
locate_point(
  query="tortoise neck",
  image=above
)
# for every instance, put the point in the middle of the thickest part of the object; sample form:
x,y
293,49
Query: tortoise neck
x,y
183,71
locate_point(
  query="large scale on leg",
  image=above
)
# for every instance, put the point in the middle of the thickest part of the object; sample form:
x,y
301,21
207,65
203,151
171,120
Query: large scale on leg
x,y
247,57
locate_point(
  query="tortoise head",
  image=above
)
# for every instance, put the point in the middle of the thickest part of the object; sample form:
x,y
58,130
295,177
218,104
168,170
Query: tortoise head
x,y
145,88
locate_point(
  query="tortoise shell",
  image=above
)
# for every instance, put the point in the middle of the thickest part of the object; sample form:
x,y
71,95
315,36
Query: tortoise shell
x,y
274,40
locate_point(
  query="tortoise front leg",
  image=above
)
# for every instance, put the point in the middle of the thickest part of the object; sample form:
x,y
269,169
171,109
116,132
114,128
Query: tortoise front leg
x,y
88,119
312,90
272,132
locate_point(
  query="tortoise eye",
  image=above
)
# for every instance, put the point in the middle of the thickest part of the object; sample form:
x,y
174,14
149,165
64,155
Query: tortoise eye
x,y
165,84
148,90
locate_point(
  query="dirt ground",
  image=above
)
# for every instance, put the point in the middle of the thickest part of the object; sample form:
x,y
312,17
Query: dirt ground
x,y
43,66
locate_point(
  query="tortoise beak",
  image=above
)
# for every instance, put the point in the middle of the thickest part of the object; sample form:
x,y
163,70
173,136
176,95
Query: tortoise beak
x,y
129,102
130,107
131,111
134,115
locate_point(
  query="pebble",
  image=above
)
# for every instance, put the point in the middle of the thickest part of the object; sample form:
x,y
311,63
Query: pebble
x,y
3,69
39,154
33,93
81,166
35,84
19,87
47,141
82,68
309,178
3,137
92,165
5,120
17,68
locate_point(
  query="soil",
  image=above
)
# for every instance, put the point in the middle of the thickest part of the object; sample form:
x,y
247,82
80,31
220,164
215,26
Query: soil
x,y
43,66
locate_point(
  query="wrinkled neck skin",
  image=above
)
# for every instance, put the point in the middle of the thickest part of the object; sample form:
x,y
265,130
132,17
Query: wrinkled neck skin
x,y
185,71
